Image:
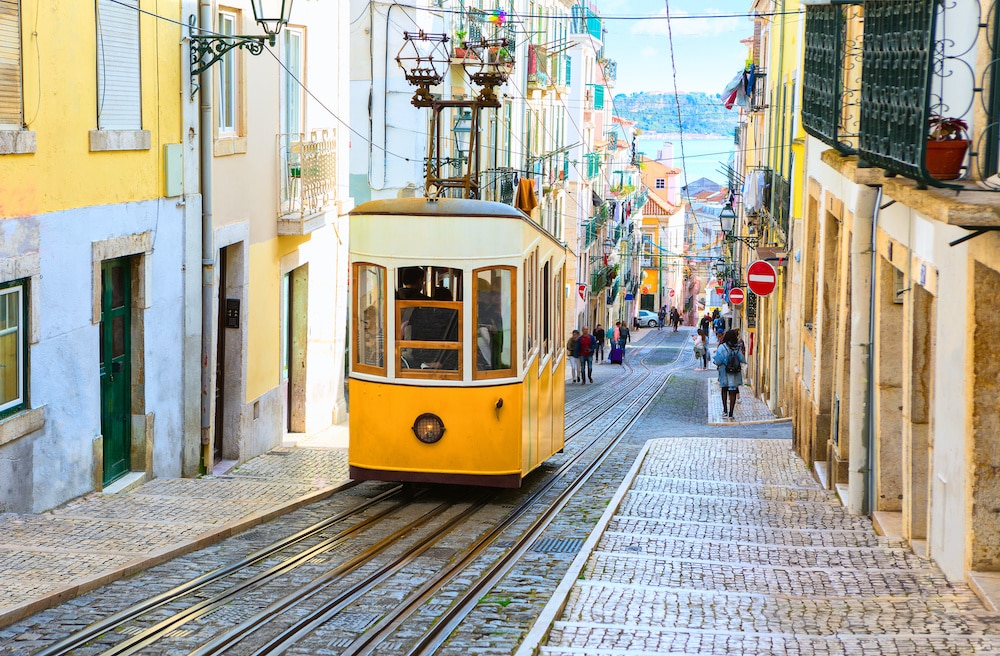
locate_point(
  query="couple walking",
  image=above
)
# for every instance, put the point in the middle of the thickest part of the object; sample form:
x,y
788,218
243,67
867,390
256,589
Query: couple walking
x,y
580,349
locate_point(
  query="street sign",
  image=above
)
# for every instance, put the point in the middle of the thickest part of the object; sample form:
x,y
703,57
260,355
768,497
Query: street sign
x,y
671,293
761,278
736,296
720,290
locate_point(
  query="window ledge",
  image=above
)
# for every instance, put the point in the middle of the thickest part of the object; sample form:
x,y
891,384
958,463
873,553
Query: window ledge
x,y
23,423
17,142
110,140
224,146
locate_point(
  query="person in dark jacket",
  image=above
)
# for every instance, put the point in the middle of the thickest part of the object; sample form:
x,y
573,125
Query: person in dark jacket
x,y
587,345
728,356
599,338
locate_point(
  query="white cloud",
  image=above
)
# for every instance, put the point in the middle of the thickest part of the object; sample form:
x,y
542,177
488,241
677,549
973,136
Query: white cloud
x,y
679,25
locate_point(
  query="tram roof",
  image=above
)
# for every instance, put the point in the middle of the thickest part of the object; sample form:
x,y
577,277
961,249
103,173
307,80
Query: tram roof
x,y
440,207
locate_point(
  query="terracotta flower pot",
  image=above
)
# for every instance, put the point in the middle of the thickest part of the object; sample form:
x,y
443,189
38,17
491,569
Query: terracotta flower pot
x,y
945,158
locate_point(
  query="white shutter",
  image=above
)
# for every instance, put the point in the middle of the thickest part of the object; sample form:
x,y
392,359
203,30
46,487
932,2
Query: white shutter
x,y
118,86
10,65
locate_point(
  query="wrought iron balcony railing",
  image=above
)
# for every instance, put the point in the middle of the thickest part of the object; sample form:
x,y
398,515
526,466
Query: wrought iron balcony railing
x,y
308,180
882,77
497,185
758,96
586,21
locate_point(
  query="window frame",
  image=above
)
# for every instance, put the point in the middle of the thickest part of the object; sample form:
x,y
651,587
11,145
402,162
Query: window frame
x,y
228,72
400,343
20,287
125,62
356,364
288,83
511,371
660,183
13,24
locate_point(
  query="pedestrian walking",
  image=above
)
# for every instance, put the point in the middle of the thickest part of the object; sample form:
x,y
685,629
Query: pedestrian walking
x,y
700,350
719,326
706,324
587,344
662,317
675,318
616,337
730,362
573,353
599,337
626,337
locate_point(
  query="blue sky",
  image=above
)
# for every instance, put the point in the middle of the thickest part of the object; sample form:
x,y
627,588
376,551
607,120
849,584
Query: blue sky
x,y
707,50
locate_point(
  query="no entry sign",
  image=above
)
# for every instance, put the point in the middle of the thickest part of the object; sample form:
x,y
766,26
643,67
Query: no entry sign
x,y
761,278
736,296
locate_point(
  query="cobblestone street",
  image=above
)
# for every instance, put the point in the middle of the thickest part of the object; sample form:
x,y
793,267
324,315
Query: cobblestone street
x,y
728,546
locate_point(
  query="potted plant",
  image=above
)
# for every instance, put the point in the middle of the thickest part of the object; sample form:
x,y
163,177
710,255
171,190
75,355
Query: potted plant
x,y
947,141
460,46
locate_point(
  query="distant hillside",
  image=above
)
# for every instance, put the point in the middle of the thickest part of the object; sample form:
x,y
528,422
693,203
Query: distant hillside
x,y
701,113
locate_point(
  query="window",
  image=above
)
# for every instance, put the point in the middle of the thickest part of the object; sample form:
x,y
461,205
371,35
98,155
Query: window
x,y
546,307
13,347
293,81
529,305
661,183
119,95
493,318
557,294
369,318
10,65
228,79
429,322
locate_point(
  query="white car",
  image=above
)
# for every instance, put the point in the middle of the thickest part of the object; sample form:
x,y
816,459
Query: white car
x,y
647,318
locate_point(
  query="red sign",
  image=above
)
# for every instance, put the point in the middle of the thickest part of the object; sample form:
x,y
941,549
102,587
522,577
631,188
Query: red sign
x,y
582,290
736,296
671,293
720,290
761,278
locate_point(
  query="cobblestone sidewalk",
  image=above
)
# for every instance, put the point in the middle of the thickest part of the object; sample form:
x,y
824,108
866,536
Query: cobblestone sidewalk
x,y
48,558
749,409
728,546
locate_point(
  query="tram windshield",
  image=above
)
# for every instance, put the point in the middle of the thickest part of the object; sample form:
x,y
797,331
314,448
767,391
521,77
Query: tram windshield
x,y
429,320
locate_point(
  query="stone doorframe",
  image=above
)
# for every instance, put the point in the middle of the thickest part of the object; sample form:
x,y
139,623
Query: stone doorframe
x,y
138,247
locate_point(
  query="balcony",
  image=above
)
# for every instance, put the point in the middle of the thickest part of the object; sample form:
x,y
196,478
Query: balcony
x,y
497,185
758,97
308,180
610,69
586,21
916,58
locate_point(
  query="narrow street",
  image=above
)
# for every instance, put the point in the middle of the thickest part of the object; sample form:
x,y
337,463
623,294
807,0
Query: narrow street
x,y
696,536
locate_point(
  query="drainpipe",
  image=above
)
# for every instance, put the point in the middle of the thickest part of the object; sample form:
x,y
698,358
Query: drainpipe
x,y
207,244
862,388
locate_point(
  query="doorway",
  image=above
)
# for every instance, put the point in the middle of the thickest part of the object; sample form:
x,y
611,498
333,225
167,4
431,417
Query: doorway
x,y
116,368
294,345
227,427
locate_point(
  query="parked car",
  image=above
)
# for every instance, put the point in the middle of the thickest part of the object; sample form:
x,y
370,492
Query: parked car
x,y
647,318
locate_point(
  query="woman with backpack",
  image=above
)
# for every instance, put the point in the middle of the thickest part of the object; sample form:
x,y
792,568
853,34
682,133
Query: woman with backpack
x,y
730,361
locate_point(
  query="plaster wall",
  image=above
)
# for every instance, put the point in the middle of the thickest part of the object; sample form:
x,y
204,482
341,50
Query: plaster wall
x,y
60,99
56,462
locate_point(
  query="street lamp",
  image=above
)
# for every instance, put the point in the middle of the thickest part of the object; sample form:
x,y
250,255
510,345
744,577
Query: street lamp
x,y
208,47
727,219
462,129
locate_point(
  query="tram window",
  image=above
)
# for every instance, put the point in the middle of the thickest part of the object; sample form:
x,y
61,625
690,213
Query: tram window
x,y
546,307
529,305
429,322
369,318
494,322
557,295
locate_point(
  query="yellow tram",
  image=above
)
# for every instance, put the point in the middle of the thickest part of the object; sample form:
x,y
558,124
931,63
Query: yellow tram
x,y
457,365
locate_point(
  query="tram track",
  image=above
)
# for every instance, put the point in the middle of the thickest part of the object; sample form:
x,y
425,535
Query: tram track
x,y
338,594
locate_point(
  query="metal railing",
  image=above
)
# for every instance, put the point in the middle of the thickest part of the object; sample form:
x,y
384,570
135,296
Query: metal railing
x,y
497,185
307,173
586,21
871,84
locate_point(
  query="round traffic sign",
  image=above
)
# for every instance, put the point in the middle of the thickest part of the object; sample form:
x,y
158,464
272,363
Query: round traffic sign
x,y
761,278
736,296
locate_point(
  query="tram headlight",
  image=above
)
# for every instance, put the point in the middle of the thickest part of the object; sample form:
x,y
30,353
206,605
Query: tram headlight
x,y
428,428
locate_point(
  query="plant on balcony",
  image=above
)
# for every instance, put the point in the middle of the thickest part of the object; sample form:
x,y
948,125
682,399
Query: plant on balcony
x,y
947,142
460,47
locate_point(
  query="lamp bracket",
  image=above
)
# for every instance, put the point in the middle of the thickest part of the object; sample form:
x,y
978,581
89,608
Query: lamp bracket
x,y
207,49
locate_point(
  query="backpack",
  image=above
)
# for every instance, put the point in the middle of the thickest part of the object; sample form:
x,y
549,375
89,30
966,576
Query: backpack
x,y
733,364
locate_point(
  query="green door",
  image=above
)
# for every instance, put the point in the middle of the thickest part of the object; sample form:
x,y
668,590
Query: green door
x,y
116,412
